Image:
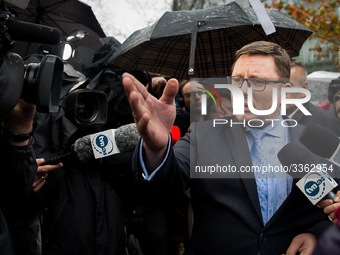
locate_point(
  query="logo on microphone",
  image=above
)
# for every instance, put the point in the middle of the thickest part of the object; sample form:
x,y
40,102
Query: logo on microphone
x,y
315,185
102,144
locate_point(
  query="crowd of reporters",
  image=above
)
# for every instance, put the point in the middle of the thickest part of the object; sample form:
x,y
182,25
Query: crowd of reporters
x,y
94,207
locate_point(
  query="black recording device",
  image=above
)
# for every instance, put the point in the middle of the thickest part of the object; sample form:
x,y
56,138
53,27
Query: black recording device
x,y
86,107
37,83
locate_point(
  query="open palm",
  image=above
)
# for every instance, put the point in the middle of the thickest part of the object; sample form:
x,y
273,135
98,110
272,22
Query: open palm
x,y
154,118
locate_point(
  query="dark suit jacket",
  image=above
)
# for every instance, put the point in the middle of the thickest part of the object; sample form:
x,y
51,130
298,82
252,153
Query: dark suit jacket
x,y
227,214
320,116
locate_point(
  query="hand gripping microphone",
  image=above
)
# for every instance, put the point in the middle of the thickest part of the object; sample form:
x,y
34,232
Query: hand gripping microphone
x,y
322,141
315,183
101,144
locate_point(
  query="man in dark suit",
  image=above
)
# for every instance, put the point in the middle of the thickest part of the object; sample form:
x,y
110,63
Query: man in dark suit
x,y
239,212
325,118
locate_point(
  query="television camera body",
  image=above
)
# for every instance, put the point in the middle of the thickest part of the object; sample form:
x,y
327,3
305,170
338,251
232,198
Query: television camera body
x,y
37,83
41,82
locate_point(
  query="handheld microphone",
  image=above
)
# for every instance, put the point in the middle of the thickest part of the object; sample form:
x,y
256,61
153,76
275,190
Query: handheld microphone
x,y
315,183
101,144
25,31
321,141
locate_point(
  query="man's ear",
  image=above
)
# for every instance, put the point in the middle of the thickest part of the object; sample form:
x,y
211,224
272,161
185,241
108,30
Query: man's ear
x,y
305,85
287,85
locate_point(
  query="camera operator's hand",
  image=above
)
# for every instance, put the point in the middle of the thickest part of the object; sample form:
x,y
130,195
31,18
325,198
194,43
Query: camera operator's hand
x,y
42,174
154,118
19,121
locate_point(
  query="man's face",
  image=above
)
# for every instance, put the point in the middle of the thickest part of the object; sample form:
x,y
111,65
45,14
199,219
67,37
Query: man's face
x,y
158,84
192,96
262,67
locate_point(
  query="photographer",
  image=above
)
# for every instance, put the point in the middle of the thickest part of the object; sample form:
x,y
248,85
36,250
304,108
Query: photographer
x,y
80,213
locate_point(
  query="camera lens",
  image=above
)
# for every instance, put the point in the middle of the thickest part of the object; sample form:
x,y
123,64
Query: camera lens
x,y
42,83
86,108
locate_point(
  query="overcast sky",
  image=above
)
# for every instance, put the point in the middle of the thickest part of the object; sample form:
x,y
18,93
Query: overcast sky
x,y
120,18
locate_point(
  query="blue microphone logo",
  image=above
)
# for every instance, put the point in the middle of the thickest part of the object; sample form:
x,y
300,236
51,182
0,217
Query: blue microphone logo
x,y
314,185
102,144
312,188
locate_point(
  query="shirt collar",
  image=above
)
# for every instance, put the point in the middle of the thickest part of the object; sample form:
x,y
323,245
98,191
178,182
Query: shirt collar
x,y
276,129
273,129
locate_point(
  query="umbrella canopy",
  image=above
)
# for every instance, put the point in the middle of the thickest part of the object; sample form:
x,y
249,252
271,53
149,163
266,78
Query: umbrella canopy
x,y
66,15
210,37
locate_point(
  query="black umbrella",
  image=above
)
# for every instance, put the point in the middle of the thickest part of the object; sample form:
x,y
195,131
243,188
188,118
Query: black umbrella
x,y
66,15
203,42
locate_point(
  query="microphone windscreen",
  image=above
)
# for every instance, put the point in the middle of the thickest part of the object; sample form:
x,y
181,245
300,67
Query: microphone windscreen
x,y
319,140
82,148
25,31
127,137
293,157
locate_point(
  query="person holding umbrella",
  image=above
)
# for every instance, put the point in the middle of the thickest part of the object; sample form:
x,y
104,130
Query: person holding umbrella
x,y
237,212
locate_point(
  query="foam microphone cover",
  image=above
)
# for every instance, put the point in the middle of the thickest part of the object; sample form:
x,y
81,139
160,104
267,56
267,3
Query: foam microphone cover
x,y
127,137
319,140
82,148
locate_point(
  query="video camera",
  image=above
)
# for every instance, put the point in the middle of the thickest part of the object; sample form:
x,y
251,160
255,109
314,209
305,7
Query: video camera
x,y
40,80
87,108
37,83
84,106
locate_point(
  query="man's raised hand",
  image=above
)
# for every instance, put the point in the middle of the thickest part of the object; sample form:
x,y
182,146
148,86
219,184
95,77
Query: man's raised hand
x,y
154,118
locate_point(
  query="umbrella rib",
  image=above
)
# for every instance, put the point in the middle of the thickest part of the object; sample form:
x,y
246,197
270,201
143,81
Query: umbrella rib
x,y
52,6
29,15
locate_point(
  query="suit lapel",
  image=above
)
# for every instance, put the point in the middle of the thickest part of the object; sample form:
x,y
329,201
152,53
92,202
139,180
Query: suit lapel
x,y
299,114
241,155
